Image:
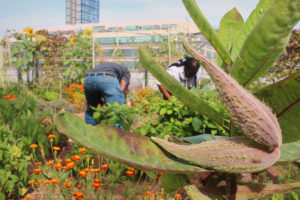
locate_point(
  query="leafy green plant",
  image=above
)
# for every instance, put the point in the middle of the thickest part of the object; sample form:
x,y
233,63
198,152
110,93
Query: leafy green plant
x,y
177,120
112,114
258,43
13,166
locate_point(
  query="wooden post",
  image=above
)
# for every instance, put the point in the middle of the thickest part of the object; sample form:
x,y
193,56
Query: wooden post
x,y
93,61
60,93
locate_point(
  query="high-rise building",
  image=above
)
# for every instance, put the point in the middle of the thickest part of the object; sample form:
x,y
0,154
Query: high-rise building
x,y
82,11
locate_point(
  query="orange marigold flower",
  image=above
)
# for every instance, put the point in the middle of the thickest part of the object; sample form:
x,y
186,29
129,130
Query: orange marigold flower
x,y
58,166
129,173
51,136
132,169
159,173
68,160
178,196
56,148
60,160
65,168
37,163
31,182
54,181
46,181
86,170
76,158
97,186
39,182
50,162
71,165
97,180
67,185
105,166
161,199
33,146
82,173
96,170
79,186
37,171
27,197
41,147
82,150
78,195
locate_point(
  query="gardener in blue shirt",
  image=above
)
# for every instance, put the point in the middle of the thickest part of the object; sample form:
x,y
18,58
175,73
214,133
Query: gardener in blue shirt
x,y
108,81
187,71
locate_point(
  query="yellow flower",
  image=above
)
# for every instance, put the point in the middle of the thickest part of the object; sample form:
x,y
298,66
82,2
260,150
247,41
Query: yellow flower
x,y
29,31
73,41
87,32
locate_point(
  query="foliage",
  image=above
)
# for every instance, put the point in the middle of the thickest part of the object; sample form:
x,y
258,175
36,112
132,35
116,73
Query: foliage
x,y
175,119
77,57
13,166
288,61
113,114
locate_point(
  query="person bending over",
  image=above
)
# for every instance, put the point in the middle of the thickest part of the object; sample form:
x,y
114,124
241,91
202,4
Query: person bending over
x,y
108,81
186,71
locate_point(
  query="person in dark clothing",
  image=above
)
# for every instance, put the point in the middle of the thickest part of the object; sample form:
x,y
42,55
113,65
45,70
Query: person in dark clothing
x,y
108,81
186,71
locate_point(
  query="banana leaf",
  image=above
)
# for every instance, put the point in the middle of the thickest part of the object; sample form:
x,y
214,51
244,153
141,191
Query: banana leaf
x,y
266,41
290,152
230,26
207,30
284,99
128,148
255,15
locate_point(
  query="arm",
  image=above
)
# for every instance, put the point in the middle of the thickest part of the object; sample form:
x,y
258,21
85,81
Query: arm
x,y
164,91
123,87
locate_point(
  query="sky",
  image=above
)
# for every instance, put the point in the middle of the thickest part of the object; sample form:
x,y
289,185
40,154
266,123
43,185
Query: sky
x,y
19,14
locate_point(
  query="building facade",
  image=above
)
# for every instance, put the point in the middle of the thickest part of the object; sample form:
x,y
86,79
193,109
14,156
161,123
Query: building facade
x,y
82,11
120,40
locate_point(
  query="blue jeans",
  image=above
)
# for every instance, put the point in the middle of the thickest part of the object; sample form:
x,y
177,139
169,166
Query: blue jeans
x,y
97,87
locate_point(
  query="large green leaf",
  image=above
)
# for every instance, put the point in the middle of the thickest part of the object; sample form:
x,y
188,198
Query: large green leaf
x,y
230,27
248,26
284,99
290,152
119,145
172,182
207,30
266,41
182,93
